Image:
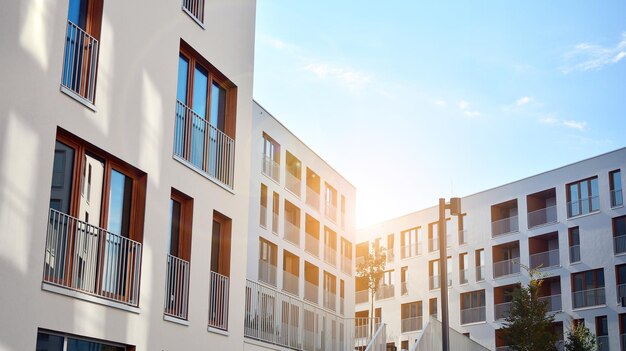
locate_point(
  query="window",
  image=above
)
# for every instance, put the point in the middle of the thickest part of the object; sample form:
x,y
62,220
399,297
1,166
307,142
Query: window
x,y
588,288
312,235
263,213
330,208
615,183
52,341
311,282
473,307
409,242
463,264
220,271
620,275
390,245
80,61
195,9
267,261
346,256
204,128
330,246
94,246
582,197
619,235
403,280
275,209
271,157
291,223
574,244
293,173
330,291
432,307
312,189
480,264
291,272
343,212
386,285
387,279
411,314
433,236
342,295
462,231
433,274
602,333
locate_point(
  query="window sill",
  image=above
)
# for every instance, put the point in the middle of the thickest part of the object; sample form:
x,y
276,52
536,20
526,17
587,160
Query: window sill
x,y
175,320
583,215
474,323
90,298
218,331
79,98
617,207
193,18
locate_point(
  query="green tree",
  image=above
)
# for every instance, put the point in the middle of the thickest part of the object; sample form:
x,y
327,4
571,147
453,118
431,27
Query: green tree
x,y
372,270
528,326
579,338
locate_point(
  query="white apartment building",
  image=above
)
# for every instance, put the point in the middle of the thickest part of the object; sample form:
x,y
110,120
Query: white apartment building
x,y
124,173
569,221
300,245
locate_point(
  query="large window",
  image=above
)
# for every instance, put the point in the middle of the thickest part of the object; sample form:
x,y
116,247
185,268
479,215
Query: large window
x,y
433,274
473,307
268,253
619,235
574,244
94,238
615,183
219,283
51,341
271,157
588,288
479,256
582,197
330,203
409,243
411,314
205,117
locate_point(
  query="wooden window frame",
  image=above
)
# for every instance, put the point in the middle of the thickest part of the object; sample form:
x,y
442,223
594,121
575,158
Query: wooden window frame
x,y
272,251
186,223
595,279
224,250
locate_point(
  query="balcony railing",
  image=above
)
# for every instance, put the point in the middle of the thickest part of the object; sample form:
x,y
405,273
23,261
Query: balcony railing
x,y
330,255
574,253
504,226
219,289
542,216
462,237
267,272
330,211
346,264
311,244
411,250
411,324
619,244
292,232
270,168
433,244
463,276
311,292
501,310
385,292
292,183
342,304
583,206
480,273
362,296
553,302
545,259
92,260
177,287
621,292
291,283
473,315
80,63
404,288
617,198
313,198
203,146
506,267
263,220
588,298
433,282
195,8
330,300
602,343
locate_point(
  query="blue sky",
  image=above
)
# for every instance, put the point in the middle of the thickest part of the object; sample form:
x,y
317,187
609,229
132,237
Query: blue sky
x,y
417,100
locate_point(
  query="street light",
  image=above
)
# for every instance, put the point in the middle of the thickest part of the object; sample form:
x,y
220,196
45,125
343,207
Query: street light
x,y
455,210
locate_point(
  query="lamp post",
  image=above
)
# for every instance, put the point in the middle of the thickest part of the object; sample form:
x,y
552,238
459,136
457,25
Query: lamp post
x,y
455,210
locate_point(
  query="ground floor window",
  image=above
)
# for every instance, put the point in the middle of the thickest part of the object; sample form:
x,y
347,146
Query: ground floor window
x,y
52,341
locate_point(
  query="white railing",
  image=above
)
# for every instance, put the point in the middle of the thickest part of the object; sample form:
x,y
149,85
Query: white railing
x,y
311,292
89,259
292,232
545,259
463,276
195,8
275,223
80,62
501,310
263,220
219,286
330,300
574,253
621,292
330,211
330,255
473,315
542,216
292,183
176,287
379,340
617,198
433,282
362,296
404,288
291,283
480,273
271,168
505,267
204,146
433,244
619,244
411,250
553,302
588,298
342,304
346,264
583,206
385,291
411,324
311,244
312,198
504,226
462,237
602,343
267,272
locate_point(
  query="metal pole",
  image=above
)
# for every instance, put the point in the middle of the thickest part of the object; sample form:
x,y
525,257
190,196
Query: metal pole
x,y
443,276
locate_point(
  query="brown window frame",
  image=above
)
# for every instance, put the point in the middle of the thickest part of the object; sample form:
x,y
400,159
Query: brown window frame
x,y
224,249
186,220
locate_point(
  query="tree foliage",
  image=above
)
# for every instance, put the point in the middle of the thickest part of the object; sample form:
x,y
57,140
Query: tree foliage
x,y
528,326
372,269
579,338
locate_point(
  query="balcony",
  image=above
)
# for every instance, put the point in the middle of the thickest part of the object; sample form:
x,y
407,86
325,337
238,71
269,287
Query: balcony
x,y
480,273
291,283
271,168
311,244
311,292
80,64
91,260
267,272
330,255
411,324
473,315
292,183
195,9
219,286
292,232
504,226
542,216
505,267
463,276
588,298
616,198
330,300
545,259
553,302
313,198
501,310
583,206
385,292
433,282
176,287
346,265
411,250
203,146
619,244
330,211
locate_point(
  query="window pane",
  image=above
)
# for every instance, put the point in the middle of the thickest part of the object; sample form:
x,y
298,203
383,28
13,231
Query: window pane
x,y
200,91
60,193
47,342
91,199
218,106
77,13
119,204
617,180
174,227
183,73
84,345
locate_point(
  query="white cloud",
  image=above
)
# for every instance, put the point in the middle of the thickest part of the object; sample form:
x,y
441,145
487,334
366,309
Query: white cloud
x,y
276,43
464,106
440,102
551,120
346,76
523,100
587,57
579,125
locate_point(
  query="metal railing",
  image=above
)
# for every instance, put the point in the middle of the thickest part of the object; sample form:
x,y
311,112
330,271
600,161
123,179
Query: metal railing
x,y
291,283
204,146
588,298
553,302
574,253
263,220
379,340
311,244
463,276
433,244
219,289
330,300
176,287
385,292
583,206
342,304
330,211
274,222
270,168
82,257
480,273
501,310
346,264
505,267
433,282
617,198
362,296
195,8
542,216
80,62
619,244
602,343
411,324
311,292
292,232
473,315
404,288
267,272
312,198
545,259
292,183
411,250
330,255
504,226
462,236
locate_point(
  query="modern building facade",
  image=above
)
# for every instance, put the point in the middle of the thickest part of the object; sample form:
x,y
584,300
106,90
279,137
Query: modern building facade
x,y
569,222
125,138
